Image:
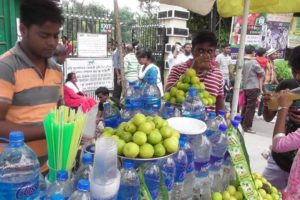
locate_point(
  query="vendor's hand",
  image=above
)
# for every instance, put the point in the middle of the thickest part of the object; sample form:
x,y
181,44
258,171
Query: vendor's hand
x,y
295,117
284,99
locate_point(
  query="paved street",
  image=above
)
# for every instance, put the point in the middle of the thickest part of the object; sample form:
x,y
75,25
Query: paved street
x,y
257,143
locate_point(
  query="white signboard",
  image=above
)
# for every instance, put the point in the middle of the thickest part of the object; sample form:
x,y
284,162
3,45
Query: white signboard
x,y
92,45
92,73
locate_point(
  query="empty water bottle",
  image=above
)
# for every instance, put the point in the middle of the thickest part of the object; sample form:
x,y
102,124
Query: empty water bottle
x,y
19,170
82,192
152,178
85,169
151,97
111,115
181,162
219,149
202,152
193,107
130,183
221,119
61,185
168,168
190,175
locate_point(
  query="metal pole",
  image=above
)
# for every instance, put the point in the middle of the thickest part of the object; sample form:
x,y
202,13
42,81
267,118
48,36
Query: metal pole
x,y
240,61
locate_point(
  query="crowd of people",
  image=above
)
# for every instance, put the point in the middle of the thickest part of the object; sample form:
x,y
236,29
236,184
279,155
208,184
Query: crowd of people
x,y
31,84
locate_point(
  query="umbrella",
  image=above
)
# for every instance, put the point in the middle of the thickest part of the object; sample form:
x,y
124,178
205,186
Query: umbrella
x,y
229,8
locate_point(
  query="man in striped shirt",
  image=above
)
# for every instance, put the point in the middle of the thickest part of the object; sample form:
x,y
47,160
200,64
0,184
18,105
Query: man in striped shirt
x,y
203,50
31,84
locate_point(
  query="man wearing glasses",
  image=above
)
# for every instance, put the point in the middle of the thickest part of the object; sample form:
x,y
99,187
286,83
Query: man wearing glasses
x,y
203,50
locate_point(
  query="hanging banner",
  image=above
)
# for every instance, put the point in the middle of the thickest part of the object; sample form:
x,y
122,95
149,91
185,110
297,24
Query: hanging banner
x,y
294,34
264,30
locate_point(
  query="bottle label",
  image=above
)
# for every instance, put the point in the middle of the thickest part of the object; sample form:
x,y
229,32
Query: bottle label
x,y
169,177
190,157
26,190
150,102
180,172
215,163
202,169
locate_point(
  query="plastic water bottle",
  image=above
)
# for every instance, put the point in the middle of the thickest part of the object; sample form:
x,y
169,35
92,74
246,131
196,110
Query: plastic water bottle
x,y
168,168
193,107
190,175
202,152
220,119
219,149
211,124
136,102
129,95
43,188
152,178
19,170
111,116
82,192
130,183
226,169
151,97
214,137
85,169
61,185
181,162
167,111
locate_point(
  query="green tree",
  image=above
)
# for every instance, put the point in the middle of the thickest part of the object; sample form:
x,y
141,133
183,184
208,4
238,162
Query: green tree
x,y
127,22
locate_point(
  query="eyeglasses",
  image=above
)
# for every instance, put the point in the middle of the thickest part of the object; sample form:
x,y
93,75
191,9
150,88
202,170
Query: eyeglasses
x,y
202,51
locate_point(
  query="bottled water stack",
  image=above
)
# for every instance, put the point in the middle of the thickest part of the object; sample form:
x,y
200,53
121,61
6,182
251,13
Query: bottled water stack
x,y
152,178
111,116
19,170
168,168
181,162
130,183
61,186
193,107
85,169
82,192
151,98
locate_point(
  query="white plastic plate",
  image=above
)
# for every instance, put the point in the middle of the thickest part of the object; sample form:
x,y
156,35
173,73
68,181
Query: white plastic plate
x,y
187,126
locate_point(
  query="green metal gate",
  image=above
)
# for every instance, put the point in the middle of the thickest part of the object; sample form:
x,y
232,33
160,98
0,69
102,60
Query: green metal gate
x,y
9,12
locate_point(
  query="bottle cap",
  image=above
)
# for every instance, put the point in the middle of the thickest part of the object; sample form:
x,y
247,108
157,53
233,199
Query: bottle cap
x,y
192,91
87,158
16,136
83,184
235,123
128,164
211,115
222,127
238,118
62,175
221,112
168,104
57,197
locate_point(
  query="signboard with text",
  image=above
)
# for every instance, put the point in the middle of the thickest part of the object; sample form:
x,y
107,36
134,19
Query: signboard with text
x,y
92,45
92,73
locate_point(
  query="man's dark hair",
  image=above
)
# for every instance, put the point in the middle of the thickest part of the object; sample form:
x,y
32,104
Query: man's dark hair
x,y
249,49
186,44
295,58
261,51
102,90
40,11
204,36
145,53
225,45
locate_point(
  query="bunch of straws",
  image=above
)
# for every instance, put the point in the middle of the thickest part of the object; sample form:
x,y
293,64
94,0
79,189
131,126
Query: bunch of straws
x,y
63,129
